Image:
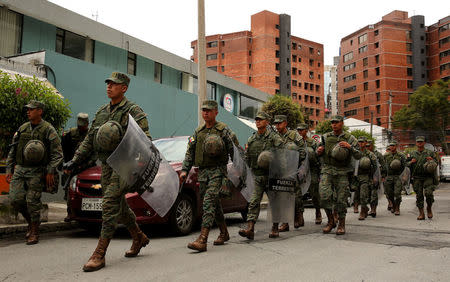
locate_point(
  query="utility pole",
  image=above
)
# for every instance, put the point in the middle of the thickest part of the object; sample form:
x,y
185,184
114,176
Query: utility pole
x,y
371,123
201,44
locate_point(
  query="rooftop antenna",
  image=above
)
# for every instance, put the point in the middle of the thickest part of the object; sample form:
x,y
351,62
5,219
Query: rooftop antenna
x,y
95,16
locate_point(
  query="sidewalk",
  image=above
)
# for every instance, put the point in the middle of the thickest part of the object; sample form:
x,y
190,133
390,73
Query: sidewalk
x,y
53,221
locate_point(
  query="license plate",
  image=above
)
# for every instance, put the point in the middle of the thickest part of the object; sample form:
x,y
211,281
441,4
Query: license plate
x,y
91,204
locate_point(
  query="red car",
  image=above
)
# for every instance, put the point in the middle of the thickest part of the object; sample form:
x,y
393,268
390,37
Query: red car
x,y
85,195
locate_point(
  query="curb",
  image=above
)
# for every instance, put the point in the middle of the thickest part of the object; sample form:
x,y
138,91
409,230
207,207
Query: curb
x,y
6,231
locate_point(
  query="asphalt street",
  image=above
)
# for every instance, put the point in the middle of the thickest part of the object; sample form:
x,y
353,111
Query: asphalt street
x,y
395,248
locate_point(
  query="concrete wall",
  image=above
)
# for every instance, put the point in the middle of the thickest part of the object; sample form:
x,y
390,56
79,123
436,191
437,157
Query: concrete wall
x,y
37,35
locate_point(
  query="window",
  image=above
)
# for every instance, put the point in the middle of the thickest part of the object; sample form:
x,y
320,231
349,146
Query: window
x,y
250,40
366,111
444,67
366,86
311,50
277,26
311,74
158,73
349,66
362,49
317,99
74,45
409,84
277,79
294,46
366,74
317,112
222,68
362,38
348,57
294,58
294,95
351,101
365,62
376,45
377,59
277,40
306,98
294,71
408,47
409,71
317,88
318,52
444,27
131,63
249,66
249,107
294,82
306,85
211,57
211,44
311,98
409,59
277,53
351,113
350,78
377,71
378,121
10,28
223,55
250,53
249,79
444,54
277,66
377,83
223,43
378,96
311,62
350,89
378,109
408,34
375,32
318,64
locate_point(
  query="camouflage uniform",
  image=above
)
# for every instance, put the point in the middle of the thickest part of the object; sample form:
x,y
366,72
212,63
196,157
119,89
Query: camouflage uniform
x,y
255,145
423,182
334,184
114,205
365,179
28,181
212,170
292,136
314,167
393,185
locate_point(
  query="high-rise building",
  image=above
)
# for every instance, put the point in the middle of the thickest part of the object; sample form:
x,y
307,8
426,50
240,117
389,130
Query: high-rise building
x,y
382,64
330,88
272,60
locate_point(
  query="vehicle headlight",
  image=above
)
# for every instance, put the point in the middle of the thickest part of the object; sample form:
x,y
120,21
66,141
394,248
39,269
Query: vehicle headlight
x,y
73,183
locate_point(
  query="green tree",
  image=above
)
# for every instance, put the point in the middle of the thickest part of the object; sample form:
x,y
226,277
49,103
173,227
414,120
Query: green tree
x,y
428,110
325,126
16,91
283,105
360,132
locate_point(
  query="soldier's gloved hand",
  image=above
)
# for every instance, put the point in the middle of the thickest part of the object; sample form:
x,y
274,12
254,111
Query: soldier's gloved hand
x,y
183,175
68,167
50,181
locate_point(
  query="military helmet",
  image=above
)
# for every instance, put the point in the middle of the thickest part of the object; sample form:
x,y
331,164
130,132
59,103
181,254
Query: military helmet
x,y
311,153
396,164
109,135
34,151
339,153
291,146
430,166
264,159
213,145
364,163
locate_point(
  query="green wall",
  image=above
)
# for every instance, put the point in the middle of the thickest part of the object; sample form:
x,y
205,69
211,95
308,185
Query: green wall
x,y
170,110
110,57
37,35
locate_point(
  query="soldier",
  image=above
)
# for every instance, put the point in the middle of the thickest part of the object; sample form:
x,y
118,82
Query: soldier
x,y
292,136
337,149
423,163
70,141
257,157
209,149
105,133
383,171
395,162
366,169
314,167
31,166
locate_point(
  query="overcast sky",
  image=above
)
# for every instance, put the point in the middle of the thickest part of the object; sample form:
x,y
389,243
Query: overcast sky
x,y
172,24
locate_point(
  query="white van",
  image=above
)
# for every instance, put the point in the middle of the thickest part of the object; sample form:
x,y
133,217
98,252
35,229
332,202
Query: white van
x,y
445,168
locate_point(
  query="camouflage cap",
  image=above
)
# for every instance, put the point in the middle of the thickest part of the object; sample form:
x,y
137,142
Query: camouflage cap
x,y
82,119
420,139
33,104
280,118
209,104
118,77
362,139
337,118
302,126
393,143
262,115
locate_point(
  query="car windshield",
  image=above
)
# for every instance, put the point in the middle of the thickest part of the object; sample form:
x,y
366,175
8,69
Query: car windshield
x,y
173,149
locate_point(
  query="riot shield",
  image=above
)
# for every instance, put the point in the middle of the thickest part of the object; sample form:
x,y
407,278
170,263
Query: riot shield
x,y
247,191
405,177
283,171
137,161
377,175
236,169
165,189
304,175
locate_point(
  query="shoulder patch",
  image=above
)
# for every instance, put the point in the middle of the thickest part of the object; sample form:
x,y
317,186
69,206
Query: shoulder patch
x,y
191,139
220,126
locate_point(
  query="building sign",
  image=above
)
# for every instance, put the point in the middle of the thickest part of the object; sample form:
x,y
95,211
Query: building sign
x,y
228,102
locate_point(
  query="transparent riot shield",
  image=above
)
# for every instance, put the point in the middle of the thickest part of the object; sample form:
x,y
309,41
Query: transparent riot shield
x,y
283,170
137,161
405,178
236,169
247,191
377,175
165,188
304,175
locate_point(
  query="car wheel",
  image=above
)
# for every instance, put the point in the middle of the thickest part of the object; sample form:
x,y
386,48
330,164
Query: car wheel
x,y
182,216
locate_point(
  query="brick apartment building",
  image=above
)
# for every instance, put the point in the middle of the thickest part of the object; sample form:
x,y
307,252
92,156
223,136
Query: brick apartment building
x,y
390,58
272,60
